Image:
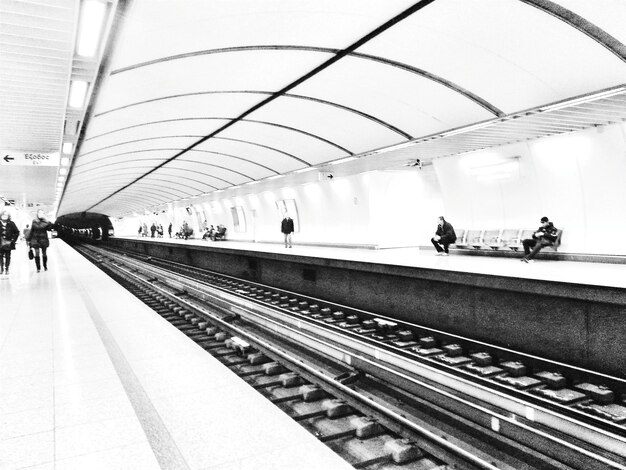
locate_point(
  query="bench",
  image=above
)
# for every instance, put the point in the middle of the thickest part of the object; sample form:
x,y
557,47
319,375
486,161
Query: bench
x,y
220,234
502,239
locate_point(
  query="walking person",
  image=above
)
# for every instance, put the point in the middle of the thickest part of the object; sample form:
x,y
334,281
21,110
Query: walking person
x,y
444,237
9,233
286,227
545,235
38,239
169,229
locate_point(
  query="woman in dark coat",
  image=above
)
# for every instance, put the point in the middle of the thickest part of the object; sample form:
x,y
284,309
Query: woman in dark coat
x,y
38,238
9,234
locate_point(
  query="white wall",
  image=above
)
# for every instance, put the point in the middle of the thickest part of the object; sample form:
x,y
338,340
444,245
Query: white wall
x,y
575,179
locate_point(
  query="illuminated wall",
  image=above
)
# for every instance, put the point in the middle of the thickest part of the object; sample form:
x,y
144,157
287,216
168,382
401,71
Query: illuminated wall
x,y
577,180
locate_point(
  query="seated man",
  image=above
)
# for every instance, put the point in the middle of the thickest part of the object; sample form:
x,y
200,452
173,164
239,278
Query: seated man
x,y
220,233
444,237
544,236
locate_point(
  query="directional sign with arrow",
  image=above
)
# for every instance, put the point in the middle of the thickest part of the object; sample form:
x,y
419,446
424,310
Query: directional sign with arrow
x,y
14,158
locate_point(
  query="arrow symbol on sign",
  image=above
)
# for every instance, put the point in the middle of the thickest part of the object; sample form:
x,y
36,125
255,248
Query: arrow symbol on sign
x,y
8,159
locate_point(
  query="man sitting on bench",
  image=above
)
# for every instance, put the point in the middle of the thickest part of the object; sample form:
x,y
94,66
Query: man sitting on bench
x,y
220,233
545,235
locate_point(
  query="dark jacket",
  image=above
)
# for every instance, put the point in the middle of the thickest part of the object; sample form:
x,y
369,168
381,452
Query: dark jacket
x,y
447,232
9,232
550,233
38,236
286,226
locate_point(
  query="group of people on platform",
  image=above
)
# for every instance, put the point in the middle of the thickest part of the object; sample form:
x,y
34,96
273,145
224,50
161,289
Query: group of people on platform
x,y
156,231
36,236
544,236
214,233
211,232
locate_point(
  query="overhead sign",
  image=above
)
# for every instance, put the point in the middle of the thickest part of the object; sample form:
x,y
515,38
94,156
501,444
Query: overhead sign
x,y
13,158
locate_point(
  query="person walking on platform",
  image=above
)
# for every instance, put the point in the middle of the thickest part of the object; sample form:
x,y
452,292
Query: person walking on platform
x,y
169,229
9,233
444,237
286,227
545,235
38,238
152,230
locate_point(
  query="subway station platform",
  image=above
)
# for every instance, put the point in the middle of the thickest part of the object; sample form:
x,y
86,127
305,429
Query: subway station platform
x,y
91,378
571,272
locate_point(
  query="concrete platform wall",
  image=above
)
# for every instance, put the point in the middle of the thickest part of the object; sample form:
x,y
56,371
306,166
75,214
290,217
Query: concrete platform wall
x,y
580,325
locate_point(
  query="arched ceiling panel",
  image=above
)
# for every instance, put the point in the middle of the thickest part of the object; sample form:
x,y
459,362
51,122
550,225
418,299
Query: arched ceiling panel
x,y
199,24
205,181
212,106
484,47
320,120
148,131
168,189
252,167
147,157
208,170
410,102
208,70
127,147
272,158
126,168
308,147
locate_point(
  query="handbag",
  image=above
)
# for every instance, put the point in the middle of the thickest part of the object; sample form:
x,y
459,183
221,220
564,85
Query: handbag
x,y
31,255
5,244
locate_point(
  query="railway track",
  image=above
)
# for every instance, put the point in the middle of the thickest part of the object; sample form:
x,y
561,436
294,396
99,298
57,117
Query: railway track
x,y
485,409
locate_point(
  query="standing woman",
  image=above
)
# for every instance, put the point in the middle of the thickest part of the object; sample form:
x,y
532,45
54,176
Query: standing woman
x,y
38,238
9,233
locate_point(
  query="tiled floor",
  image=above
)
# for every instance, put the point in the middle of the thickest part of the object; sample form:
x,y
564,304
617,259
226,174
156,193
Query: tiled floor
x,y
90,378
595,274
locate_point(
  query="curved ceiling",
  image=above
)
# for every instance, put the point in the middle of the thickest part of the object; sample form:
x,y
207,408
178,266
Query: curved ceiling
x,y
204,95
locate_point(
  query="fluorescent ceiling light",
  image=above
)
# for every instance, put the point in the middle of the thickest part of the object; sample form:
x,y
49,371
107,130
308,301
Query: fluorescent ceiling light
x,y
63,171
343,160
493,176
583,99
274,177
302,170
65,161
78,91
67,148
61,179
505,167
91,21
